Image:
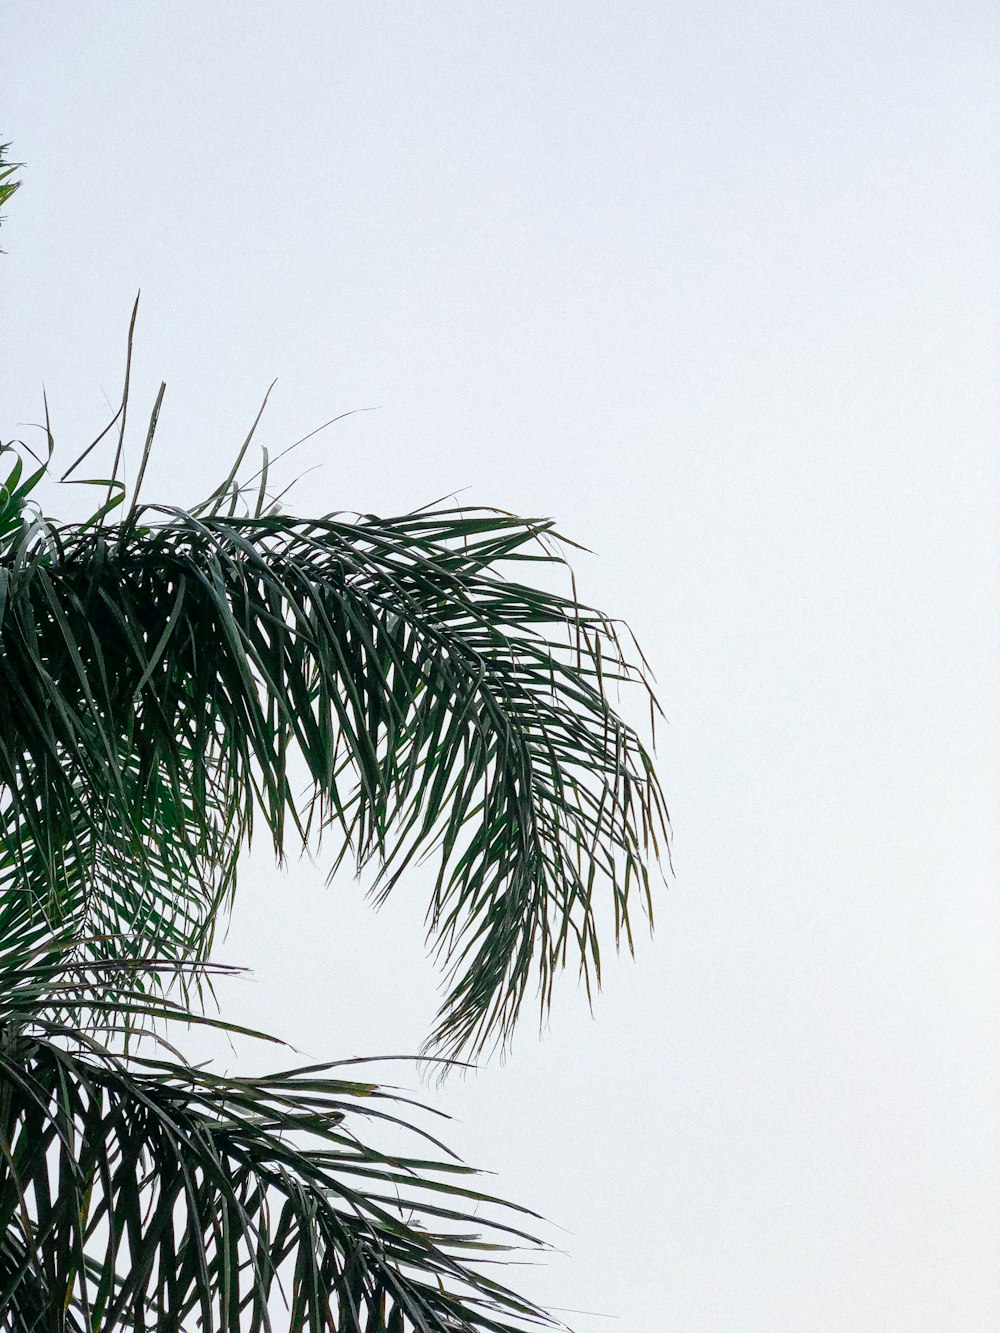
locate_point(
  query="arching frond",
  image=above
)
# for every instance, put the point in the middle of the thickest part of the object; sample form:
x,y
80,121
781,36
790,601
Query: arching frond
x,y
173,677
141,1193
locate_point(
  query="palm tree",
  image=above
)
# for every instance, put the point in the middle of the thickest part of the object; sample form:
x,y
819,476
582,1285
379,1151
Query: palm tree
x,y
172,681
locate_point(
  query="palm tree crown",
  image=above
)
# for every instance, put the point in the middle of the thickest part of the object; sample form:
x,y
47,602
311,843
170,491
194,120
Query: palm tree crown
x,y
171,680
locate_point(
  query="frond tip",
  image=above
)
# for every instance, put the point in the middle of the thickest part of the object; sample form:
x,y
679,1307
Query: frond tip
x,y
8,169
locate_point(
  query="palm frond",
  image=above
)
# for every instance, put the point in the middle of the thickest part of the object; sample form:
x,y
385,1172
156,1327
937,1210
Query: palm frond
x,y
139,1192
175,674
431,700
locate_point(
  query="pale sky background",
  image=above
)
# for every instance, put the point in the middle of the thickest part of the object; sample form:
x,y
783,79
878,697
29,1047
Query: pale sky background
x,y
715,284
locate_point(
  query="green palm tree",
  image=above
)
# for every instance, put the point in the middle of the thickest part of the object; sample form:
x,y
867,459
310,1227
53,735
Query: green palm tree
x,y
172,681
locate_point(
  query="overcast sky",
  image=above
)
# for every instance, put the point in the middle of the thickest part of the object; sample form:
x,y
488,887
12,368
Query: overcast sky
x,y
716,285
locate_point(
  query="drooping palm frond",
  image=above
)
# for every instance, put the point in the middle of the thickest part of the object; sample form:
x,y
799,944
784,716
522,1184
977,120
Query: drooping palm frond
x,y
172,675
141,1193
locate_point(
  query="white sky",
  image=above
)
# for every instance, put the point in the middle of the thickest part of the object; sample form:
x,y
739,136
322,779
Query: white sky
x,y
716,285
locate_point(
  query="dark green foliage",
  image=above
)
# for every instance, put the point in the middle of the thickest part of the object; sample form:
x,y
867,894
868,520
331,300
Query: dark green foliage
x,y
158,675
142,1193
171,680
